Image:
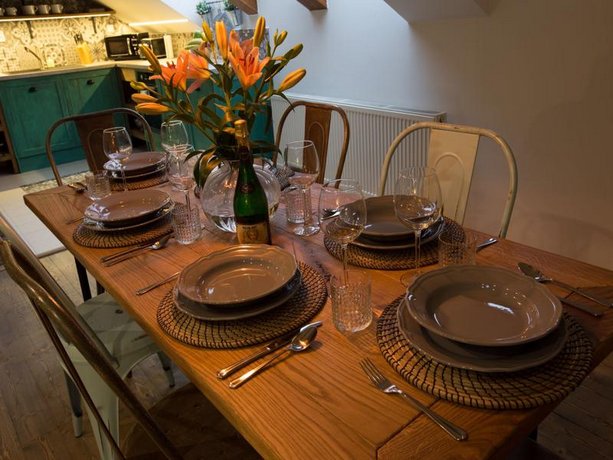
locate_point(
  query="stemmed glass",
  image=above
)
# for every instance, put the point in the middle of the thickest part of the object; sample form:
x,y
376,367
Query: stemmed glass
x,y
173,135
418,204
180,170
117,146
301,157
342,213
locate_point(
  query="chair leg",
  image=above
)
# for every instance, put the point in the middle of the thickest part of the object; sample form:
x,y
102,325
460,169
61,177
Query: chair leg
x,y
83,281
167,366
75,405
99,288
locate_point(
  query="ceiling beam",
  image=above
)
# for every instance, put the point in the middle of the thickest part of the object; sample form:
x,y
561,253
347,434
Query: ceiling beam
x,y
247,6
315,4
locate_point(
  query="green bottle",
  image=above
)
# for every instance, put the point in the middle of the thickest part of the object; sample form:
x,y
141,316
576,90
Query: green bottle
x,y
250,203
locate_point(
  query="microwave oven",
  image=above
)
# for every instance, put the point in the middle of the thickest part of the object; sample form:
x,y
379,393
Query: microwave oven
x,y
161,46
123,47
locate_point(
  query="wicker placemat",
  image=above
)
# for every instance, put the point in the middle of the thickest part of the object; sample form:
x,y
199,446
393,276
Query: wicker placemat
x,y
505,390
117,184
304,305
401,259
93,239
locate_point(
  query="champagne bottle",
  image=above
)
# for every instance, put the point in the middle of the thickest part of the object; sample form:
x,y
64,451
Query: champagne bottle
x,y
250,203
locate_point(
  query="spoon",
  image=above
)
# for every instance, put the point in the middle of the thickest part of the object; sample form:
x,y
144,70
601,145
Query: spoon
x,y
487,243
541,278
300,342
127,254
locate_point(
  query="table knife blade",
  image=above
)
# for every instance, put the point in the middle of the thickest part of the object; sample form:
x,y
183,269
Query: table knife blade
x,y
594,311
269,348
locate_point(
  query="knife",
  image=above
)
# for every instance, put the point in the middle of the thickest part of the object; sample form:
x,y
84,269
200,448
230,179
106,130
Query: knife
x,y
586,308
272,346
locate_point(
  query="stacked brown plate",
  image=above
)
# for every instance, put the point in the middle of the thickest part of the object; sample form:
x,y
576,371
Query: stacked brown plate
x,y
481,318
138,166
237,283
383,231
124,211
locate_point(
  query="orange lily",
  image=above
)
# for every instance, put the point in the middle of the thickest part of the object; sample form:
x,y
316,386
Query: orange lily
x,y
222,38
197,70
151,108
175,75
245,60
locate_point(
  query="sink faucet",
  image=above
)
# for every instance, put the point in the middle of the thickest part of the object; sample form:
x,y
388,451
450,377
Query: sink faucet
x,y
40,61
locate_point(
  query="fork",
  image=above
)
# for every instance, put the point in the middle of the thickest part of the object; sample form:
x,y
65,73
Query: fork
x,y
383,384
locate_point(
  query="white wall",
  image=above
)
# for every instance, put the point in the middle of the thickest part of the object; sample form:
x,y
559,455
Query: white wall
x,y
539,72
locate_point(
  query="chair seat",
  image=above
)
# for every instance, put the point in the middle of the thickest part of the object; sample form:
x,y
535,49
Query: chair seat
x,y
194,425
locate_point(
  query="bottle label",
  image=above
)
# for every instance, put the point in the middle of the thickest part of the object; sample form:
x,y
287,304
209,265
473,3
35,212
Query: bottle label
x,y
253,233
247,188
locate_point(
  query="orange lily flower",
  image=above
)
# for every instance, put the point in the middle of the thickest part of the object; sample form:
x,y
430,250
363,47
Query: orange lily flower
x,y
175,75
222,38
245,60
197,70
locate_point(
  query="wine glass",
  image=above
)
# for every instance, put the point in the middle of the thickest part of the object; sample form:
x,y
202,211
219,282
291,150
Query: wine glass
x,y
180,170
173,135
301,157
117,146
342,213
418,204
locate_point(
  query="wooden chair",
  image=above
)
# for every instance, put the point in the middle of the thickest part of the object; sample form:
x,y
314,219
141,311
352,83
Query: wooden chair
x,y
90,127
452,151
109,327
317,129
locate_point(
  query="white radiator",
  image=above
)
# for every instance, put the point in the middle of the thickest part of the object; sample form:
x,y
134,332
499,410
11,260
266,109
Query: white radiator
x,y
372,130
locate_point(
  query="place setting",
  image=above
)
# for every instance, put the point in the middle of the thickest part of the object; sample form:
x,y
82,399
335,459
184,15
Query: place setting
x,y
241,296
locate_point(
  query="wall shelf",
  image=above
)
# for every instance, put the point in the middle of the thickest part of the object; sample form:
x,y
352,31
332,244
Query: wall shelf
x,y
28,19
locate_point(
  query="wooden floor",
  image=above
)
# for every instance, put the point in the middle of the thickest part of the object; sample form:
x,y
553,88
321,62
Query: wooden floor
x,y
35,421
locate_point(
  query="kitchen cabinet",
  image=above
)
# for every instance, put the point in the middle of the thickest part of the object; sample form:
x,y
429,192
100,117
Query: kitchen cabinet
x,y
31,105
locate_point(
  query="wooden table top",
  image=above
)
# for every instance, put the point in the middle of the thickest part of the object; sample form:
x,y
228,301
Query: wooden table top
x,y
320,402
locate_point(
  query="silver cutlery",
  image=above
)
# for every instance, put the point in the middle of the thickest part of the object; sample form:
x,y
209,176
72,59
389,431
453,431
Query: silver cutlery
x,y
78,188
113,259
586,308
487,243
300,342
383,384
151,287
535,273
272,346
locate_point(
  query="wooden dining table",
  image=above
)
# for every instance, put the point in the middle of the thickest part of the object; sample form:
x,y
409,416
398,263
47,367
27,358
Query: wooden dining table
x,y
319,403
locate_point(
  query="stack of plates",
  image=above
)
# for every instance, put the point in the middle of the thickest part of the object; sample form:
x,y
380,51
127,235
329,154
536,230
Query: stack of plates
x,y
127,210
482,318
237,283
138,166
384,231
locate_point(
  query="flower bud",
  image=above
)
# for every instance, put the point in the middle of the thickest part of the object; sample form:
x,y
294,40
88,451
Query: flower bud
x,y
291,79
280,37
208,34
151,108
140,98
295,51
222,39
258,34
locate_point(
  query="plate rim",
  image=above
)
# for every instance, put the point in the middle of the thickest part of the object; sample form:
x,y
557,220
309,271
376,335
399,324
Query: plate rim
x,y
379,245
163,196
159,214
142,168
557,306
395,235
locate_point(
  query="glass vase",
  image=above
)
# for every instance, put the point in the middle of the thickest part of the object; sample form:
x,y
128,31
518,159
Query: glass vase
x,y
217,194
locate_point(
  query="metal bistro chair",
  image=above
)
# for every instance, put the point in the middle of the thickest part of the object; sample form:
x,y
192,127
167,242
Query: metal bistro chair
x,y
452,151
123,342
90,127
317,129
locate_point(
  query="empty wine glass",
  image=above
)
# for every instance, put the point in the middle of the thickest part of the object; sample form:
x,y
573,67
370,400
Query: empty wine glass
x,y
301,157
418,204
117,146
173,135
180,170
342,213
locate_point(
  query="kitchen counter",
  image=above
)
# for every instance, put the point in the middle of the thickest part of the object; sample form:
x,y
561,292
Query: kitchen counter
x,y
136,64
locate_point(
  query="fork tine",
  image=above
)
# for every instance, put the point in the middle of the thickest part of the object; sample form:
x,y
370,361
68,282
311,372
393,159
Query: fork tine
x,y
372,372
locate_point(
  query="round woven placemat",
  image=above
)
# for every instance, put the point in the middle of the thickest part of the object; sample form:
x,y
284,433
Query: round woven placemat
x,y
93,239
117,185
304,305
505,390
402,259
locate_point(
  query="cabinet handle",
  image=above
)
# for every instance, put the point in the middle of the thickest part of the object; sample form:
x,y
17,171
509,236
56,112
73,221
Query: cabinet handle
x,y
90,82
32,89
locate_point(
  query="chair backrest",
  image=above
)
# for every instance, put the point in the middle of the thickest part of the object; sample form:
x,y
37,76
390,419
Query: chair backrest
x,y
452,151
90,127
58,320
317,122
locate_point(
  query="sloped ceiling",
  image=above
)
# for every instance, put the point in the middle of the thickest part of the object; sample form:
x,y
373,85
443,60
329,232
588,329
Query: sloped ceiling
x,y
433,10
142,11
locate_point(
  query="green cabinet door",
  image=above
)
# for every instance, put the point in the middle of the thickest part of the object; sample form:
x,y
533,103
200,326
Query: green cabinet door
x,y
91,91
31,106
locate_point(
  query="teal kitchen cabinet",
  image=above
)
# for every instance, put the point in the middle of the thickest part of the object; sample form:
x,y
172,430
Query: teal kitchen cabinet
x,y
31,105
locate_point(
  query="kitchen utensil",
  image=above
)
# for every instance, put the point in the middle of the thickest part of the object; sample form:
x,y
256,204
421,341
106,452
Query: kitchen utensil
x,y
487,243
541,278
151,287
383,384
300,342
160,244
155,245
272,346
